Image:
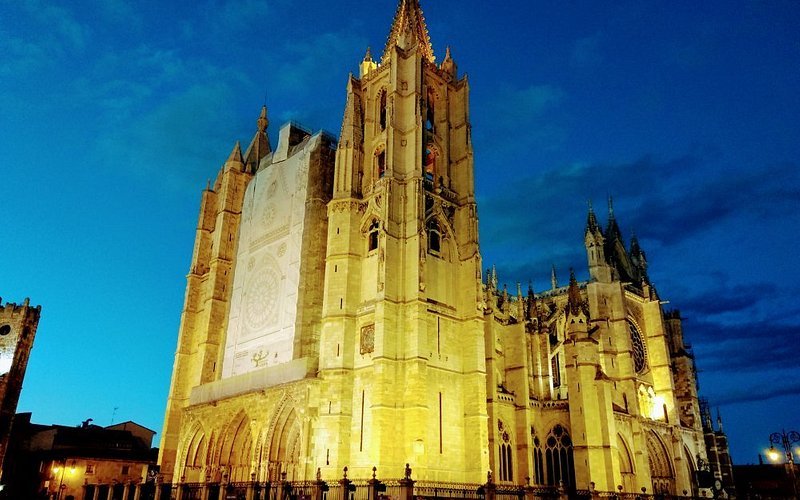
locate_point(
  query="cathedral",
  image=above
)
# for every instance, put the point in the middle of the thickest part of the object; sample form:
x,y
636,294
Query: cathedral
x,y
338,314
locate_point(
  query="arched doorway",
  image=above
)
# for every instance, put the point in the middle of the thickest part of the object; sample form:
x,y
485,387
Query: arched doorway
x,y
626,466
283,445
661,471
235,450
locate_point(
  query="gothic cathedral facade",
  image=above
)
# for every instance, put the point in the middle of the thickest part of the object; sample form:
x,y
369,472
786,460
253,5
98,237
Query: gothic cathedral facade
x,y
336,314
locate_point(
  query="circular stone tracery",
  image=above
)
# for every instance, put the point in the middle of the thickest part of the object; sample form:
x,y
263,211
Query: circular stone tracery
x,y
638,350
261,298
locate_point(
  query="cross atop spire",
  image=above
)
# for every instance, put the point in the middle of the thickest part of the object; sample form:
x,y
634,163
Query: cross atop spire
x,y
409,17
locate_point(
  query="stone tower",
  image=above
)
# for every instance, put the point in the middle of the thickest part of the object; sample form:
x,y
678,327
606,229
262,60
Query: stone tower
x,y
401,356
17,329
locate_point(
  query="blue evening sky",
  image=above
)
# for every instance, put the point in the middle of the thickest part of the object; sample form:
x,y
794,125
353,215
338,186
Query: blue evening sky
x,y
114,114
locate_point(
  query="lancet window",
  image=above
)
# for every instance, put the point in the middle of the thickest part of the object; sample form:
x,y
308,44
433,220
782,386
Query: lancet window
x,y
555,371
558,454
538,459
373,236
430,115
380,162
505,454
434,237
429,163
382,110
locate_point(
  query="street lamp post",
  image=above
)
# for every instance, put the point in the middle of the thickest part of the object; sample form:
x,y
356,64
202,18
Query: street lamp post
x,y
785,439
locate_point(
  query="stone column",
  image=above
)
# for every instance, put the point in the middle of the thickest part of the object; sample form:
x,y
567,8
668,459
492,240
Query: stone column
x,y
96,494
110,494
407,486
157,494
373,486
137,491
319,487
204,488
530,491
489,488
562,491
344,485
250,492
125,489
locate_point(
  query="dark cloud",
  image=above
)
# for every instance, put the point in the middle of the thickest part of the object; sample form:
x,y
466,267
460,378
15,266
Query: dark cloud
x,y
758,392
664,201
743,346
722,297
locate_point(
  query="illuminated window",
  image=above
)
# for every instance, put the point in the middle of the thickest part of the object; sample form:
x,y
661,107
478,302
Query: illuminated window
x,y
430,117
380,162
429,167
373,236
638,351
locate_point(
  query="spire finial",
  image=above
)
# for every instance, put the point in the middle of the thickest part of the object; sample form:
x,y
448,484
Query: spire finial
x,y
368,55
553,277
591,220
610,207
263,122
409,18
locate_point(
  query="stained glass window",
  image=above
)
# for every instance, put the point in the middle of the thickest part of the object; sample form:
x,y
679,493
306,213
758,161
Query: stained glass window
x,y
637,349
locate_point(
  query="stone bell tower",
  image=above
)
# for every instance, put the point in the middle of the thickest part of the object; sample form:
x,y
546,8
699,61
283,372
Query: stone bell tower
x,y
18,324
402,359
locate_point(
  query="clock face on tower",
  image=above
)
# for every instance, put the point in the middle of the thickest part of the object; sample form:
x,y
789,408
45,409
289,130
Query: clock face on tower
x,y
262,297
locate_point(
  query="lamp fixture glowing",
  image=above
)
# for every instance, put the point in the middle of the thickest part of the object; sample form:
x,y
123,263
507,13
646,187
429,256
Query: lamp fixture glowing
x,y
773,454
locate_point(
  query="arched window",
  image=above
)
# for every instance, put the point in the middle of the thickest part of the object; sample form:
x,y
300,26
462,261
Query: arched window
x,y
555,371
380,162
638,351
430,116
434,237
538,462
429,163
558,453
382,110
373,236
505,455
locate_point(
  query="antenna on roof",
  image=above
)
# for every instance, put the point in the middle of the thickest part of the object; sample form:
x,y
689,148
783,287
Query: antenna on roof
x,y
114,414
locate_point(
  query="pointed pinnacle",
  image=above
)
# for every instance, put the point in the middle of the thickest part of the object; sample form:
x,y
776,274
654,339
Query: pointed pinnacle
x,y
368,55
262,123
236,154
591,222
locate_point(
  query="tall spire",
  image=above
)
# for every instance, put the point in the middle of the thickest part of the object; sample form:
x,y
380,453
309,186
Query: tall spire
x,y
259,146
591,220
409,17
574,301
